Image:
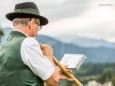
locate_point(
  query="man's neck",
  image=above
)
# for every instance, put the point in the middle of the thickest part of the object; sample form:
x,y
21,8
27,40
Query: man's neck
x,y
23,29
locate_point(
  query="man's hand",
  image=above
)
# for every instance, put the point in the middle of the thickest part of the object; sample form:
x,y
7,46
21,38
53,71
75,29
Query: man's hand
x,y
62,76
47,50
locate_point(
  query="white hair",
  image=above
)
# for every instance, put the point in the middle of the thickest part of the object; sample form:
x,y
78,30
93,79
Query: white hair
x,y
20,21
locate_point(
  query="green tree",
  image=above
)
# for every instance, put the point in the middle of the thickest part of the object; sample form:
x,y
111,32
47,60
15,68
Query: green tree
x,y
1,33
106,75
113,81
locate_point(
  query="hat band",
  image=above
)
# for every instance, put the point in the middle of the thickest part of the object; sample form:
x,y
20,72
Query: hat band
x,y
27,10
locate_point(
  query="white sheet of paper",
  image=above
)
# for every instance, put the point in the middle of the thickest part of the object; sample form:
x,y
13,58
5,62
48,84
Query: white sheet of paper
x,y
73,60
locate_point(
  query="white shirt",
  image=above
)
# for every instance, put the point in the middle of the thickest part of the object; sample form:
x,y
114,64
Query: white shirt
x,y
32,56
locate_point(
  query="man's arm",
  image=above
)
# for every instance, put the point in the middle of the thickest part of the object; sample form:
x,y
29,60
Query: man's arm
x,y
48,52
41,62
58,74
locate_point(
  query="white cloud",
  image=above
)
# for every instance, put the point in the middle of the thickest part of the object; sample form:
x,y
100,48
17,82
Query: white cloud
x,y
89,18
94,23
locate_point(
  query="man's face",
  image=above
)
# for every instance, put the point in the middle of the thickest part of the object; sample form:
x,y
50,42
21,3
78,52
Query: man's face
x,y
35,26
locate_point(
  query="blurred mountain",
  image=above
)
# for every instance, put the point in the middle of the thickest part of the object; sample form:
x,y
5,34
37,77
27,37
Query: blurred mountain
x,y
102,52
6,33
84,42
99,54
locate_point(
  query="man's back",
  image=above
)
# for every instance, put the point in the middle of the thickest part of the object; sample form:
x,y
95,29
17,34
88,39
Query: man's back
x,y
13,72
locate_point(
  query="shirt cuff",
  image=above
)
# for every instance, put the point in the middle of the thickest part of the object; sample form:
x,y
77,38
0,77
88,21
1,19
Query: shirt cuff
x,y
49,73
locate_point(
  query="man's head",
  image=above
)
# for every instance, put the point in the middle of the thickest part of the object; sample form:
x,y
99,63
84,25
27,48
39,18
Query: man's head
x,y
29,26
26,18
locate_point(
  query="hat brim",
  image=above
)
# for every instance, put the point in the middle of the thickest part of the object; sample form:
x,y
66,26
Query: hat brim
x,y
11,16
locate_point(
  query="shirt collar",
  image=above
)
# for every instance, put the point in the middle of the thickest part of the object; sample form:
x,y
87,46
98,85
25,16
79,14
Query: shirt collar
x,y
21,32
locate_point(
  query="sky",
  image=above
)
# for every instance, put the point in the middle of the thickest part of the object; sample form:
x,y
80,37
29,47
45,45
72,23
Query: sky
x,y
84,18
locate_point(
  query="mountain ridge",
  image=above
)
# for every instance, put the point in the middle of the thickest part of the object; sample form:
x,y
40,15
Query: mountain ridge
x,y
100,54
95,55
84,41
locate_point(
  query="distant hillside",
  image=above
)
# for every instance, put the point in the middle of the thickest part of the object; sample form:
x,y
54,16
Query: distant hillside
x,y
84,41
6,33
98,54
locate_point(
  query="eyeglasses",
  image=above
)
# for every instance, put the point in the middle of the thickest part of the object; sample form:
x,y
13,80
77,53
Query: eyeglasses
x,y
39,26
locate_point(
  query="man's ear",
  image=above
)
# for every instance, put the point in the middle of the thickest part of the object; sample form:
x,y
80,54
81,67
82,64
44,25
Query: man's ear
x,y
30,23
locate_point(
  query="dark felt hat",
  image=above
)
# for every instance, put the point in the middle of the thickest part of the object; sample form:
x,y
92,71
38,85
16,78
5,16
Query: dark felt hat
x,y
26,10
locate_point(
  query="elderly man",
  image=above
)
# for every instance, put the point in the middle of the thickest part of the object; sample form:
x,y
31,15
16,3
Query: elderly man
x,y
22,62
